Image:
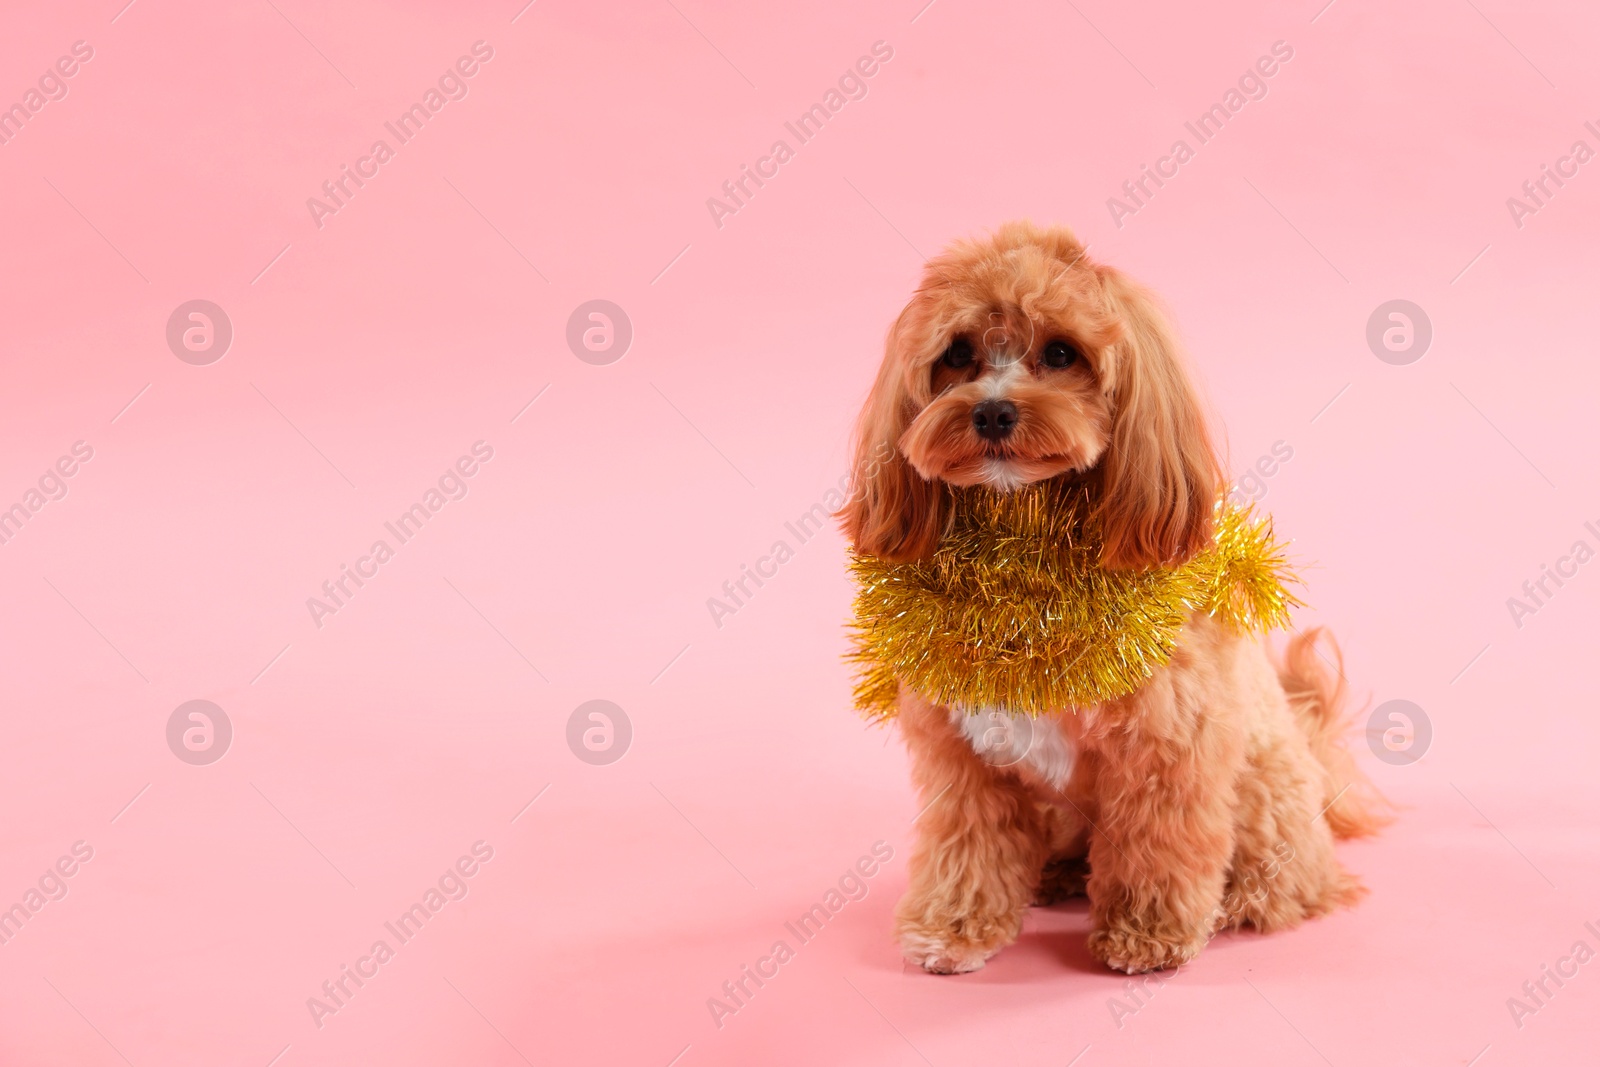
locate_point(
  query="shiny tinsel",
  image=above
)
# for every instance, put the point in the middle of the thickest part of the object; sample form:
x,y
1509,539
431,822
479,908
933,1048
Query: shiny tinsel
x,y
1014,610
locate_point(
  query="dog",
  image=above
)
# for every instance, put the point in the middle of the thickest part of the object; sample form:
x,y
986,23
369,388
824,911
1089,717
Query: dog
x,y
1207,799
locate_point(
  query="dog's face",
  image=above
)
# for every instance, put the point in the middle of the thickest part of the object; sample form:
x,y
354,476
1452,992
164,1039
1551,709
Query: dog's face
x,y
1018,360
1014,394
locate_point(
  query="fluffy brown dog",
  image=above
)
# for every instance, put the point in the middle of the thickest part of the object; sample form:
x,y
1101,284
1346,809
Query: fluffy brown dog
x,y
1209,798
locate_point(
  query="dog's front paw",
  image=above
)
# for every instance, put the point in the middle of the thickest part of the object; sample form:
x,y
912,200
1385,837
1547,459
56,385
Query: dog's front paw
x,y
949,951
1132,952
944,953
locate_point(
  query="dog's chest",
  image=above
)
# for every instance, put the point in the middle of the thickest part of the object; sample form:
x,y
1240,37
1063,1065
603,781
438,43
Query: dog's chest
x,y
1036,747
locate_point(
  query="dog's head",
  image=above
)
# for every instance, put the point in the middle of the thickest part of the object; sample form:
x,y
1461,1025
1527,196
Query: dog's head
x,y
1018,360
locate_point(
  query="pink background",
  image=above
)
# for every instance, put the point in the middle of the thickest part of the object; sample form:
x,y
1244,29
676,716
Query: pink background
x,y
368,754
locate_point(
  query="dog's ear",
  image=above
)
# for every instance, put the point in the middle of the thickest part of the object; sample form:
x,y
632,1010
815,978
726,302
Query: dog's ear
x,y
893,512
1160,476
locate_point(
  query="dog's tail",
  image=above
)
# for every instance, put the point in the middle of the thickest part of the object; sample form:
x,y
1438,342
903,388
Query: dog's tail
x,y
1316,694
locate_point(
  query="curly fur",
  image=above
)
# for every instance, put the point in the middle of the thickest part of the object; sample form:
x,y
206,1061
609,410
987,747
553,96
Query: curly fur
x,y
1209,798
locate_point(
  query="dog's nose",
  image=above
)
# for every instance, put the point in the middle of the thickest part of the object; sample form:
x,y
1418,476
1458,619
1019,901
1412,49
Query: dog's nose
x,y
994,419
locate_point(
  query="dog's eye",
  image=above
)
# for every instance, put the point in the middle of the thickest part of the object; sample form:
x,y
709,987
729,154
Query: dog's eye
x,y
1058,354
959,354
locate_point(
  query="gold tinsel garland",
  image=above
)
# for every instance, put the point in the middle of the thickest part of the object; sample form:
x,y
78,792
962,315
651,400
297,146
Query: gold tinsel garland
x,y
1014,611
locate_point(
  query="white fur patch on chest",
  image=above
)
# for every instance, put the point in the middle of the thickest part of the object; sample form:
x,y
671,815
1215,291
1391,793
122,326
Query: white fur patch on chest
x,y
1034,745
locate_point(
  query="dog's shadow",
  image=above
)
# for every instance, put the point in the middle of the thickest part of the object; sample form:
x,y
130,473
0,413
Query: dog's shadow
x,y
1054,943
1059,933
1055,939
